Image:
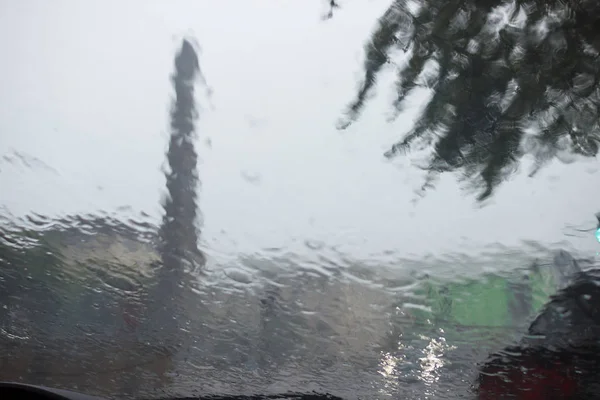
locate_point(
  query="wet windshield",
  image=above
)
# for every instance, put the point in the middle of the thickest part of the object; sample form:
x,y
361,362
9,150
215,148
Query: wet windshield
x,y
361,198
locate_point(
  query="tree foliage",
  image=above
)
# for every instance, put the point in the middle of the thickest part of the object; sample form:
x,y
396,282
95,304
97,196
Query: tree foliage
x,y
178,231
508,79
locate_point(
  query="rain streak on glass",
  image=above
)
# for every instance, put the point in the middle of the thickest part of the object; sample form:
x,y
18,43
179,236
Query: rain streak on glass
x,y
386,199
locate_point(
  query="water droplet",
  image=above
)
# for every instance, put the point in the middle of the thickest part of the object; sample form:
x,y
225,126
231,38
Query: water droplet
x,y
251,177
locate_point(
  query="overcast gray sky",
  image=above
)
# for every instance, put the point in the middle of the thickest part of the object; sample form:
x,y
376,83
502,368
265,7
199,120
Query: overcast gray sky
x,y
85,98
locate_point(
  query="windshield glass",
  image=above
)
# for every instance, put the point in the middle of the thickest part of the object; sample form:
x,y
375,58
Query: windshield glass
x,y
362,198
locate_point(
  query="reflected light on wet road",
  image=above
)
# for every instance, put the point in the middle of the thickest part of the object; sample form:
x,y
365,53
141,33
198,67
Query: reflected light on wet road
x,y
433,361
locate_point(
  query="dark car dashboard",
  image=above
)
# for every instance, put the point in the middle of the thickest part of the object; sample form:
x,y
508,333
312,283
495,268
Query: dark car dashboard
x,y
11,390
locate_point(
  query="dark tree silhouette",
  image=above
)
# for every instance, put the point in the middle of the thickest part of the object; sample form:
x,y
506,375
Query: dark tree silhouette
x,y
178,234
508,79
